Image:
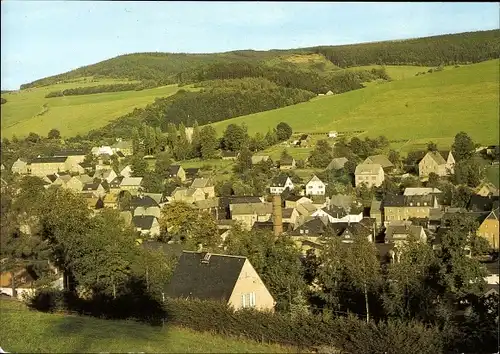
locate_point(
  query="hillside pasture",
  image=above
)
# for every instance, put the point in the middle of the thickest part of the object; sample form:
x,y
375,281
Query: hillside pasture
x,y
26,331
422,108
29,111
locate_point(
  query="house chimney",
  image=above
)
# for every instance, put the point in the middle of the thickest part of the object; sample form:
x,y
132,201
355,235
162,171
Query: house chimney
x,y
277,216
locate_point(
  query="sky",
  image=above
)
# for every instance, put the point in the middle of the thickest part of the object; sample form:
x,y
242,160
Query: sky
x,y
44,38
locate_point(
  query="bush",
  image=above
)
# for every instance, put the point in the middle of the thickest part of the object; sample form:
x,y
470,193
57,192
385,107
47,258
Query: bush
x,y
305,331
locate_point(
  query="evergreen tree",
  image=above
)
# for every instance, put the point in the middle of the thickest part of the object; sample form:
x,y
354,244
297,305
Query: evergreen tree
x,y
208,142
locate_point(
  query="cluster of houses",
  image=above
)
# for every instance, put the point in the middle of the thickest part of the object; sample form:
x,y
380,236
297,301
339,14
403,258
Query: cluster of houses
x,y
305,213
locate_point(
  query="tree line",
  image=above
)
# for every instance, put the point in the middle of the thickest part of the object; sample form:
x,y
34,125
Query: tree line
x,y
102,88
450,49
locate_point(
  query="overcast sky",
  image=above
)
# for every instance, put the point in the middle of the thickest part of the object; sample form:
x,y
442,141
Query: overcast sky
x,y
43,38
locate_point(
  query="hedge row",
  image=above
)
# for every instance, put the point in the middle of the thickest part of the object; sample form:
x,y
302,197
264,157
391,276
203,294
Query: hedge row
x,y
350,334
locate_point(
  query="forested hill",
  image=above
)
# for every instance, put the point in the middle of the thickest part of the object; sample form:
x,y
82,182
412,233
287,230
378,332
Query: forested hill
x,y
168,68
461,48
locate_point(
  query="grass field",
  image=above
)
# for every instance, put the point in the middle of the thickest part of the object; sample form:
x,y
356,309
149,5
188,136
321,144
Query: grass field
x,y
419,108
29,111
493,175
399,72
25,331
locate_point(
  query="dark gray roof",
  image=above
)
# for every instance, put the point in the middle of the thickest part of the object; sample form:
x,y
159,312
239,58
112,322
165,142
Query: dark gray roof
x,y
191,172
142,201
52,177
408,200
279,181
335,211
144,222
115,183
293,198
48,160
314,227
225,201
173,170
480,203
66,153
90,186
492,267
213,280
268,225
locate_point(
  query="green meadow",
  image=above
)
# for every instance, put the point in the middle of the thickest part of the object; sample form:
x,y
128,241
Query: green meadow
x,y
29,111
416,109
27,331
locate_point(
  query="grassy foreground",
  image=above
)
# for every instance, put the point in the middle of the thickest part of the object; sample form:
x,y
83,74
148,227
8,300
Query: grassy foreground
x,y
416,109
29,111
26,331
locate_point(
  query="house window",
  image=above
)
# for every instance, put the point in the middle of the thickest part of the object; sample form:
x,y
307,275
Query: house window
x,y
307,231
301,231
425,203
248,300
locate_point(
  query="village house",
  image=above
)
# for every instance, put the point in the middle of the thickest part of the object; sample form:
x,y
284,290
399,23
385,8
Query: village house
x,y
487,188
398,232
381,160
400,207
332,134
74,183
20,166
293,200
217,277
206,185
75,156
410,191
336,214
489,229
176,171
42,166
110,200
102,150
306,209
106,175
210,206
306,236
315,186
434,162
192,173
144,205
126,171
290,216
146,225
95,188
247,214
61,180
114,185
280,183
131,184
287,163
337,163
478,203
123,146
369,174
188,195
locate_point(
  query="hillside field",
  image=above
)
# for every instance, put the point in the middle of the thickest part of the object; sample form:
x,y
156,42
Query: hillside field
x,y
417,109
26,331
29,111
